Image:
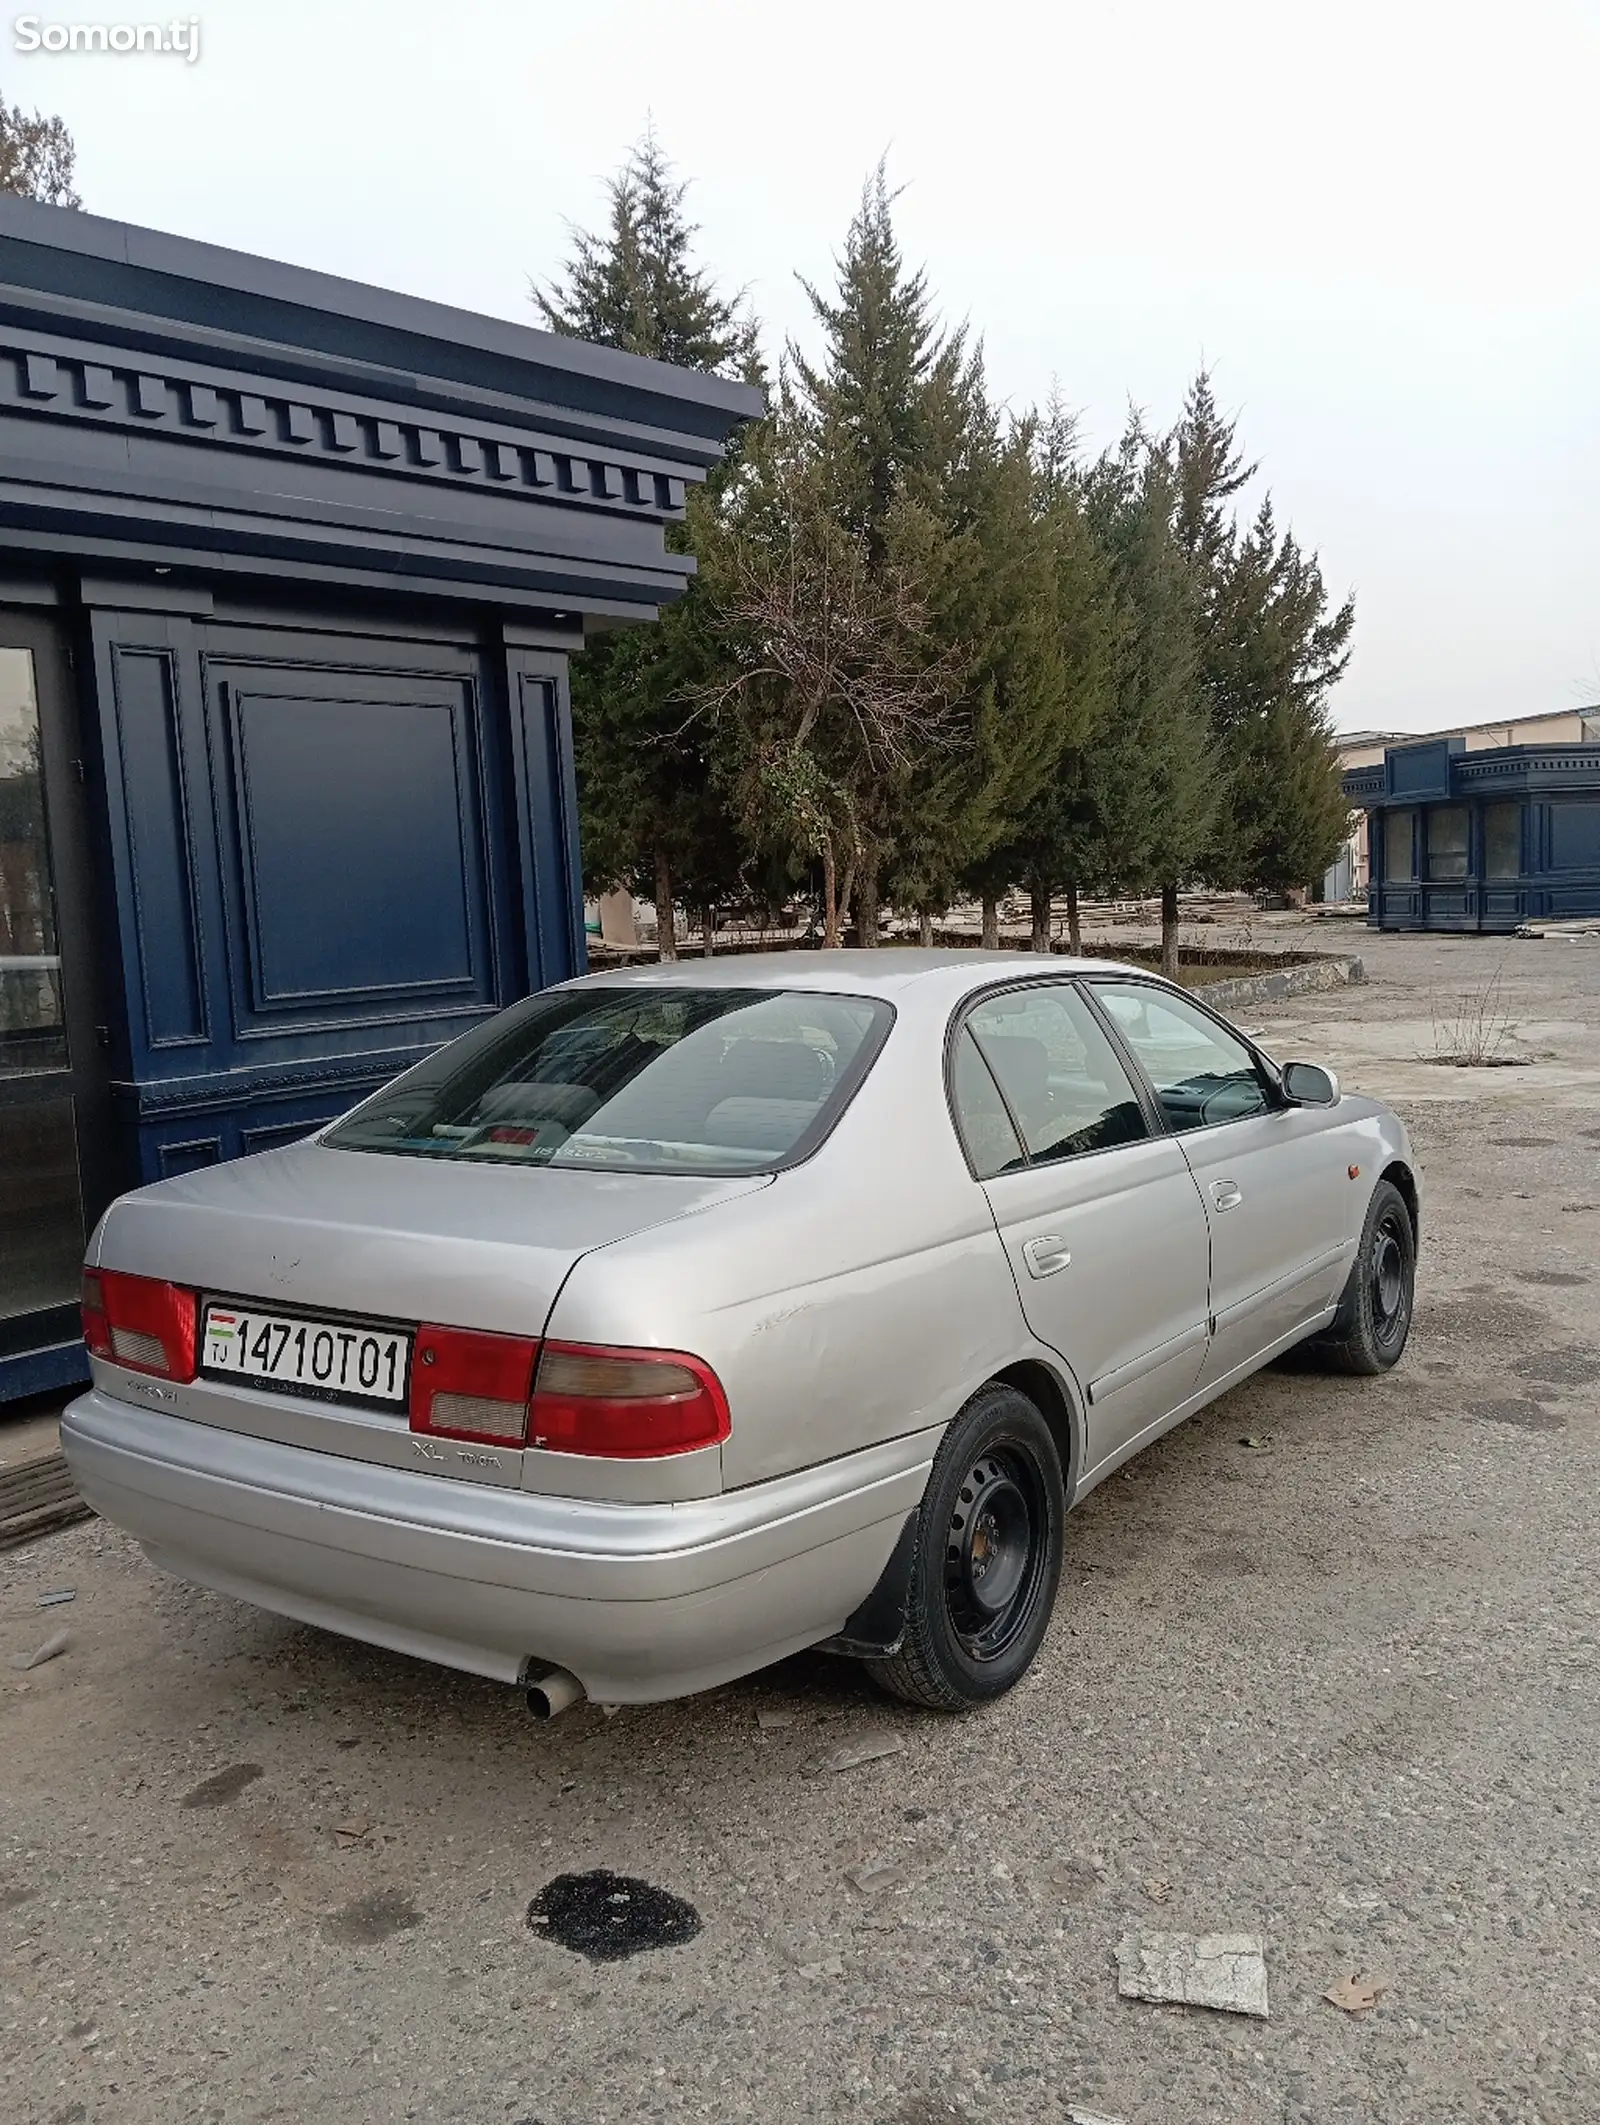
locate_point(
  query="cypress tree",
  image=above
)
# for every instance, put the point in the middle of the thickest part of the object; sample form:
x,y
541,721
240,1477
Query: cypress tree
x,y
876,412
1149,788
1270,651
653,812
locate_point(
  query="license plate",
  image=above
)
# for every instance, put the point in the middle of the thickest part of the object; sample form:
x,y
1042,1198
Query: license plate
x,y
329,1358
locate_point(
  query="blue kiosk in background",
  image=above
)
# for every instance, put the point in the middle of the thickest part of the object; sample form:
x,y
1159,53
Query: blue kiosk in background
x,y
1485,840
290,572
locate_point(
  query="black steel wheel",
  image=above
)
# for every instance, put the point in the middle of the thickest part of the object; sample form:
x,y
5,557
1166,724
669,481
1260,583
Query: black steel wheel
x,y
1373,1323
987,1558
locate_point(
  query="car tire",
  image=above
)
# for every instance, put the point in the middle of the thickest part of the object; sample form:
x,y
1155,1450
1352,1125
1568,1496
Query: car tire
x,y
987,1558
1370,1330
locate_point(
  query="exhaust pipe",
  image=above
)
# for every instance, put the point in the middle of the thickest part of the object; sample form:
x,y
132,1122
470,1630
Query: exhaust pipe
x,y
553,1692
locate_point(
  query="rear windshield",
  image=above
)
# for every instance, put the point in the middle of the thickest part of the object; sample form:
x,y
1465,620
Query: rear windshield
x,y
656,1080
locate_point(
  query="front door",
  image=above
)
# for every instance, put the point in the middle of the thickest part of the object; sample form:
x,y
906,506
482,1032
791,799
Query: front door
x,y
52,1066
1100,1216
1272,1177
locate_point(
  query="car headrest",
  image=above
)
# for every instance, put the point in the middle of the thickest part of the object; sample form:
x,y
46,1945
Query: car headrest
x,y
571,1105
746,1124
772,1069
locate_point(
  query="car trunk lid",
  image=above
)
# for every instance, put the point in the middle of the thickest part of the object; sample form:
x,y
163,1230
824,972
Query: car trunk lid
x,y
394,1238
364,1236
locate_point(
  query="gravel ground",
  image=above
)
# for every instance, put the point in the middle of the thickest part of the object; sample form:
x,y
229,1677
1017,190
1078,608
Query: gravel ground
x,y
1336,1687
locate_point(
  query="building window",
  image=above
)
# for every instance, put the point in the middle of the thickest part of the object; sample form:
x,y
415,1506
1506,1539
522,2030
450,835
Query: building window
x,y
1447,841
1398,861
1502,840
1575,836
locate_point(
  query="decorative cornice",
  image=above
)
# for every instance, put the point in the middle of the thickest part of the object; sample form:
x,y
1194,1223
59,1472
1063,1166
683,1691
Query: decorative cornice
x,y
50,379
1516,770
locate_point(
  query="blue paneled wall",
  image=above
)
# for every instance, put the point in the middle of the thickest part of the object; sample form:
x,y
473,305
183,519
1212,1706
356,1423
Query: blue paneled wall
x,y
332,851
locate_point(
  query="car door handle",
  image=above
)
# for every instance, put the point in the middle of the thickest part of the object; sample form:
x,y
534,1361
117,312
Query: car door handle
x,y
1226,1195
1045,1255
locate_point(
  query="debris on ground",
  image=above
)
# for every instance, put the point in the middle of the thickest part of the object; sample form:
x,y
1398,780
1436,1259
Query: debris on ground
x,y
607,1916
352,1832
865,1748
1077,2115
770,1722
1157,1888
222,1786
53,1646
1222,1970
56,1595
1355,1994
873,1875
1259,1442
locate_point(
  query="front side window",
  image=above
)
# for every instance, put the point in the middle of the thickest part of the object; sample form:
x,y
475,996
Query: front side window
x,y
1061,1080
654,1080
1202,1073
1447,841
1398,858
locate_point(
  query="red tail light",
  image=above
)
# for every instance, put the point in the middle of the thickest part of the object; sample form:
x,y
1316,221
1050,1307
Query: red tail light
x,y
625,1403
467,1385
139,1322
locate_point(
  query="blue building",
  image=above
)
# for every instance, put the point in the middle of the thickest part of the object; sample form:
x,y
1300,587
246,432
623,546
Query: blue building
x,y
290,572
1463,839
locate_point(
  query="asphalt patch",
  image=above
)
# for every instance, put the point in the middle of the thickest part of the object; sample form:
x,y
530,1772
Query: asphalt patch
x,y
1485,1319
1227,1563
1559,1368
1526,1416
608,1917
222,1786
372,1918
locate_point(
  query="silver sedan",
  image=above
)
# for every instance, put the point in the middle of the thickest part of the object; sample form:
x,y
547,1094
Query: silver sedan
x,y
679,1318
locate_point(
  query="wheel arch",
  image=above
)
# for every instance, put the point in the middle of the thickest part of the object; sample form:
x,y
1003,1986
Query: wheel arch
x,y
1400,1175
876,1628
1046,1391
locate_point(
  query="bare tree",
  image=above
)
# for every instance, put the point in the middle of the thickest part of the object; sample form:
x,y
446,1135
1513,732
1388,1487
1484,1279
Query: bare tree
x,y
37,157
836,685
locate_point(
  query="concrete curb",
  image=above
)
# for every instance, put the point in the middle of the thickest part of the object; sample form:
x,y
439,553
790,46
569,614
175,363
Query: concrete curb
x,y
1325,973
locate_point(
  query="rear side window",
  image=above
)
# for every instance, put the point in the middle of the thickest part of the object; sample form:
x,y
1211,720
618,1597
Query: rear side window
x,y
991,1142
1063,1083
656,1080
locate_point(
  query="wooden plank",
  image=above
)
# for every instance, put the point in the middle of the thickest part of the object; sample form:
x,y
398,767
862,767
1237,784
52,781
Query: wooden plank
x,y
36,1499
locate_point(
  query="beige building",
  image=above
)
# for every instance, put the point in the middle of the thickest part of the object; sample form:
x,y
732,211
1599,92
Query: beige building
x,y
1347,879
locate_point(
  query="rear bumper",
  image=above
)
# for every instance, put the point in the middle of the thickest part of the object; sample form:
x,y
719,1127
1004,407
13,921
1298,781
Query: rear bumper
x,y
639,1601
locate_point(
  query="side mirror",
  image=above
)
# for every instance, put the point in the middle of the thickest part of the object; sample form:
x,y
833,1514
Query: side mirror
x,y
1307,1084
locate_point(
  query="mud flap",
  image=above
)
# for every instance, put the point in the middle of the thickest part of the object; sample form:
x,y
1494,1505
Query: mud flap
x,y
876,1629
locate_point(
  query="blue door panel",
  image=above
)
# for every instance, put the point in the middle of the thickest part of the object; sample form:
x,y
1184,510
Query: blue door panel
x,y
330,853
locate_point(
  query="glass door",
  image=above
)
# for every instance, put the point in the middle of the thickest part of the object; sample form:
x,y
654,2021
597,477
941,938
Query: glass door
x,y
52,1063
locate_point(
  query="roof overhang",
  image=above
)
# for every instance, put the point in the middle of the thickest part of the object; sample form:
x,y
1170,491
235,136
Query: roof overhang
x,y
172,404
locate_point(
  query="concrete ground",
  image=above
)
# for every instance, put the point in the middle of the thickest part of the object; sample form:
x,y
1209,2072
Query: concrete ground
x,y
1336,1686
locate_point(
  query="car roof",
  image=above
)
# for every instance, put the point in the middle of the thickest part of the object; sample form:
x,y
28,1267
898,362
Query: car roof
x,y
854,972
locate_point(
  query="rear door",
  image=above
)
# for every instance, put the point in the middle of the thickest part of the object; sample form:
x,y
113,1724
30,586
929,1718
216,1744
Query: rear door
x,y
1272,1177
1101,1219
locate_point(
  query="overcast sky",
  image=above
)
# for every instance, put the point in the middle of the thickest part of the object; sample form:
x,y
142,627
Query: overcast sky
x,y
1377,222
